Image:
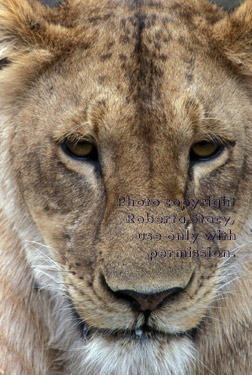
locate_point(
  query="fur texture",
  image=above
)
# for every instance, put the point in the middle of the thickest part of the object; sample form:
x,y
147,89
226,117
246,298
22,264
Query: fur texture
x,y
143,81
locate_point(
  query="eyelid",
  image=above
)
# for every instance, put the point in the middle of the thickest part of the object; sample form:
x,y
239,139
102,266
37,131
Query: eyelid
x,y
217,139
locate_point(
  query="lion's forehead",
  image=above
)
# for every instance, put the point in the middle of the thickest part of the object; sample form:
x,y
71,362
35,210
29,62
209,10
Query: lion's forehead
x,y
145,61
141,62
146,46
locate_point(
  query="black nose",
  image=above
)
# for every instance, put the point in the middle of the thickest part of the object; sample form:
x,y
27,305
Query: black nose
x,y
144,302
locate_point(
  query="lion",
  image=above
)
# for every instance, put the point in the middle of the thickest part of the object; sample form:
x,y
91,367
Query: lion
x,y
125,188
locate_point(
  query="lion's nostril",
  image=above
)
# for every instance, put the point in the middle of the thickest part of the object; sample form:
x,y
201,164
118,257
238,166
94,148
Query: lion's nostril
x,y
144,302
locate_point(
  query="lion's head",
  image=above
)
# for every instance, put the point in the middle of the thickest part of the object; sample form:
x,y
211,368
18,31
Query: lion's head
x,y
125,143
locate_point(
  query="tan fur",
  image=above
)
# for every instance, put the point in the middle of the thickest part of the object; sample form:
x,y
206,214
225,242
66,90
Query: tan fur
x,y
144,80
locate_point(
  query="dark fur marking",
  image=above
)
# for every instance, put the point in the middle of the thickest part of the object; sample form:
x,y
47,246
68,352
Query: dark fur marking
x,y
123,22
189,77
68,237
153,19
102,103
138,33
163,57
123,66
132,20
187,16
124,39
122,57
101,79
4,62
96,19
181,40
35,26
134,4
148,72
106,56
36,286
191,62
167,39
166,20
110,44
157,46
145,82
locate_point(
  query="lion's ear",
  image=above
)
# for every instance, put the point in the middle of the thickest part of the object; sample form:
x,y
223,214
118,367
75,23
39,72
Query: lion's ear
x,y
233,36
19,29
28,27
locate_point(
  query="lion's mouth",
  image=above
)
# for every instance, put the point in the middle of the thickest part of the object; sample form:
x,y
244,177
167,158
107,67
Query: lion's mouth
x,y
139,333
144,332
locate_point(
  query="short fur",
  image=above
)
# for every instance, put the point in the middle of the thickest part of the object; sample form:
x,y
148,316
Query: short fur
x,y
144,80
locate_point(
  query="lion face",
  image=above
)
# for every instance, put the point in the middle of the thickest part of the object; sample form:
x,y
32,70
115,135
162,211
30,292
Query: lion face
x,y
129,152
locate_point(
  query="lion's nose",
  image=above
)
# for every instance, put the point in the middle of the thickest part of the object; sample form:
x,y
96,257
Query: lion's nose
x,y
144,302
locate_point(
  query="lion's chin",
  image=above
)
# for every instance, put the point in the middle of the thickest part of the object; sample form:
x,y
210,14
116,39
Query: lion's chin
x,y
126,355
142,351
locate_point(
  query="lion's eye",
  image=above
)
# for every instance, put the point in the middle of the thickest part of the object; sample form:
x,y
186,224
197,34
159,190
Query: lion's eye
x,y
83,150
205,150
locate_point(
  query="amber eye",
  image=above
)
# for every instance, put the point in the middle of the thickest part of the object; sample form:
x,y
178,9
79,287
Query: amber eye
x,y
83,150
205,150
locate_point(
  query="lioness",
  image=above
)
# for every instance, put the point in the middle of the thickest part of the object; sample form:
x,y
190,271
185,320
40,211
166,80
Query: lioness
x,y
125,188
